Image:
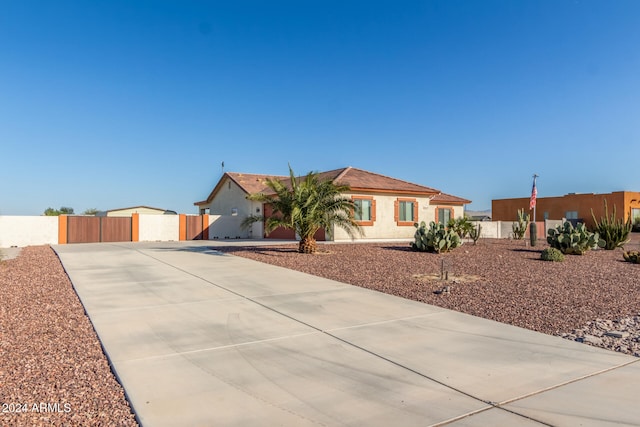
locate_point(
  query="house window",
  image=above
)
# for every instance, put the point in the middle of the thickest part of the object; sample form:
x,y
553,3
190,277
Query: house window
x,y
571,215
234,211
365,210
443,215
546,216
635,214
406,211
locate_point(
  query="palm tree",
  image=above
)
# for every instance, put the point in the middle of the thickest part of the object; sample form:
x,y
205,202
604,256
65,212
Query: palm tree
x,y
305,205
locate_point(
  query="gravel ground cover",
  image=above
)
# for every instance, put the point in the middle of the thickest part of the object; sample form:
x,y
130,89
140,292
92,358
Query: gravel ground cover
x,y
52,367
583,298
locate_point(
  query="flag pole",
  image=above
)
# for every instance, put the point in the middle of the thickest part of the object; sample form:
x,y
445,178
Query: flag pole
x,y
533,228
535,202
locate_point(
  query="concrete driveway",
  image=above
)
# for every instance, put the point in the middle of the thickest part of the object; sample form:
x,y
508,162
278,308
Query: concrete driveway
x,y
198,338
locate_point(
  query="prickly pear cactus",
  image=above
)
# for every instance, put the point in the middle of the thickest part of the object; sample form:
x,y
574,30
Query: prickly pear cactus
x,y
573,240
436,238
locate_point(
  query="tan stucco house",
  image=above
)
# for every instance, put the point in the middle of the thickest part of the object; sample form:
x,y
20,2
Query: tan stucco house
x,y
389,206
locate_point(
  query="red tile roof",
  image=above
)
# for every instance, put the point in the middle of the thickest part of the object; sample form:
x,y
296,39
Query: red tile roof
x,y
364,181
448,198
359,180
249,183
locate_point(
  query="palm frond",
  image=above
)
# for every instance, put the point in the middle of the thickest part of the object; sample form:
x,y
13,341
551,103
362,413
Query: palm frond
x,y
307,204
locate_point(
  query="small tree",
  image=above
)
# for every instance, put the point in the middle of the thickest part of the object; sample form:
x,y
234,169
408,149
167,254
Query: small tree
x,y
91,211
56,212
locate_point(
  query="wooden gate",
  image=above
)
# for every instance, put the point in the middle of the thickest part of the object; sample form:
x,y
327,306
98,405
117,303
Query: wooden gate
x,y
194,227
83,229
115,229
94,229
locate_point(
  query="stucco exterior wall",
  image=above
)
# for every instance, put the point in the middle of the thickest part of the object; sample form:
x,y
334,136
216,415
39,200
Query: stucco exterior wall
x,y
159,228
229,197
385,225
227,211
227,227
556,208
28,230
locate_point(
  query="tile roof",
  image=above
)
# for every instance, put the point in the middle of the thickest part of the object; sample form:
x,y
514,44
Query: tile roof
x,y
359,180
448,198
253,183
249,182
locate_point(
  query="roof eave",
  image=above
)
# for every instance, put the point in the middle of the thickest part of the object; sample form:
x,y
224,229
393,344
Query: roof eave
x,y
391,191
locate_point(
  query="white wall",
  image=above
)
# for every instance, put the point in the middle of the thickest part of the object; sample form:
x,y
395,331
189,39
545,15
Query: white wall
x,y
488,229
504,230
28,230
230,196
227,211
228,227
159,228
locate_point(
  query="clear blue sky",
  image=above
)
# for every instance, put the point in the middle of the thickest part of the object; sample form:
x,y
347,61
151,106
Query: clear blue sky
x,y
108,104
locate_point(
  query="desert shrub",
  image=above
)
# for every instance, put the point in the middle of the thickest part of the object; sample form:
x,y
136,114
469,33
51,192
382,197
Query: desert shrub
x,y
552,254
614,232
631,256
462,226
520,227
573,240
436,238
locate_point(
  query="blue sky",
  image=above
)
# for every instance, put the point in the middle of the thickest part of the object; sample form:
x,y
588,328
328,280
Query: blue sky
x,y
108,104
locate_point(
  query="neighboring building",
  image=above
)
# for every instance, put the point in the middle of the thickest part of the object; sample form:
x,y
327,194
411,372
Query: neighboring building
x,y
143,210
478,215
389,206
573,207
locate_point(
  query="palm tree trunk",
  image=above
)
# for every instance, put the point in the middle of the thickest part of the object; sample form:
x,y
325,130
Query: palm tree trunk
x,y
308,245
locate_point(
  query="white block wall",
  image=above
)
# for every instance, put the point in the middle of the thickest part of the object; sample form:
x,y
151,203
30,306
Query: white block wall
x,y
28,230
153,228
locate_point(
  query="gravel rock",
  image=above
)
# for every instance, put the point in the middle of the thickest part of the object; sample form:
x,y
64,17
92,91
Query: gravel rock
x,y
621,335
584,295
52,367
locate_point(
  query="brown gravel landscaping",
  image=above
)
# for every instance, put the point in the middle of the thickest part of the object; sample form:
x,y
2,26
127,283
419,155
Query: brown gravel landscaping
x,y
503,280
52,368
